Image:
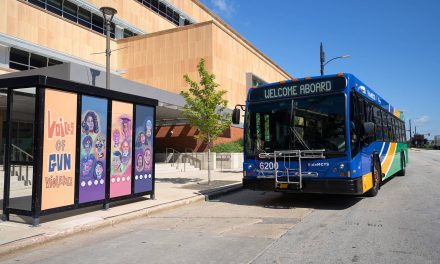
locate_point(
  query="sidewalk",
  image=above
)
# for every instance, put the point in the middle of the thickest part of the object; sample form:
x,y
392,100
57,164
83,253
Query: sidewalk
x,y
172,190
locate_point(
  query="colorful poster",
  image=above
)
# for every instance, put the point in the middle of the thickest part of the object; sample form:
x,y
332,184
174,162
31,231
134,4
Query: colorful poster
x,y
59,149
93,148
143,179
121,149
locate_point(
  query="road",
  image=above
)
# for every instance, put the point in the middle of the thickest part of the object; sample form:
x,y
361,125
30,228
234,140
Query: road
x,y
400,225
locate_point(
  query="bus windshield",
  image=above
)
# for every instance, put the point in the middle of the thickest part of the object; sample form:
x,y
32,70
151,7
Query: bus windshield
x,y
316,122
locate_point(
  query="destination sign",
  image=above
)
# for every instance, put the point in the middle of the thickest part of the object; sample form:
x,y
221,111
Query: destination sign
x,y
300,88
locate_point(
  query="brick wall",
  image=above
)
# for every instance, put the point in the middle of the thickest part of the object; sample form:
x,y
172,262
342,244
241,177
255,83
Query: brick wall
x,y
181,138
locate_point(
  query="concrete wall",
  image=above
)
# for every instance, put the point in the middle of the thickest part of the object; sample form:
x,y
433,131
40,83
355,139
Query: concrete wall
x,y
218,161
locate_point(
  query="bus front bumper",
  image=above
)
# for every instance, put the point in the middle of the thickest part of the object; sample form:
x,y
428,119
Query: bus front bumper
x,y
330,186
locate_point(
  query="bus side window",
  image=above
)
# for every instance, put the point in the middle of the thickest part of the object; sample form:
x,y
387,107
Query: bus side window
x,y
378,122
391,124
404,132
369,113
386,130
355,124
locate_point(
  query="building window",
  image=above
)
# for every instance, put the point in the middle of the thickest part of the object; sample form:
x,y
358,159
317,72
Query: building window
x,y
37,61
164,11
55,6
39,3
70,11
18,59
77,14
98,23
22,60
53,62
84,17
128,33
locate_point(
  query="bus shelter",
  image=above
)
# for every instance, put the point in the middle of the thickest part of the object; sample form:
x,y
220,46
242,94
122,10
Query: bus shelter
x,y
68,145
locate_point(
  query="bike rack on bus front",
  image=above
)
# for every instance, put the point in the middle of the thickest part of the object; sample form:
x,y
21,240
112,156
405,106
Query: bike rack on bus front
x,y
288,155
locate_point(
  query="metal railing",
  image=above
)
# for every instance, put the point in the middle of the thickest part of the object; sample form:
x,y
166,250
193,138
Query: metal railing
x,y
195,161
22,155
20,160
223,157
175,161
286,157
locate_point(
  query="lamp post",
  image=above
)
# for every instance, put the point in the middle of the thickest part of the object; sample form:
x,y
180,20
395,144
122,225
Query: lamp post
x,y
322,59
108,13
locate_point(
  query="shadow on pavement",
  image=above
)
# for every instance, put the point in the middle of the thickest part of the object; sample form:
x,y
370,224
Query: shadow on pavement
x,y
74,212
230,171
178,180
288,201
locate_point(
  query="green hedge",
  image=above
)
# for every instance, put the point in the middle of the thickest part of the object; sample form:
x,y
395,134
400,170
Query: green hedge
x,y
236,146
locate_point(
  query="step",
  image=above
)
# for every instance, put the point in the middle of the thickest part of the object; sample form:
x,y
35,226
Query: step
x,y
169,167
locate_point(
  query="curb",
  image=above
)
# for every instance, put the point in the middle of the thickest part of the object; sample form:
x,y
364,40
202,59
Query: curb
x,y
38,240
223,191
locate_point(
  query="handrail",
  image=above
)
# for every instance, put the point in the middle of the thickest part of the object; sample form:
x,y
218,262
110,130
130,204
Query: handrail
x,y
195,160
22,151
173,157
221,156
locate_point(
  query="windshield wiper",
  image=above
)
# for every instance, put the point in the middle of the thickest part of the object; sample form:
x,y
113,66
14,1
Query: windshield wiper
x,y
293,128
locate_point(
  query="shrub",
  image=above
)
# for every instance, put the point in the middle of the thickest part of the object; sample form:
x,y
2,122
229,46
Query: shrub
x,y
235,146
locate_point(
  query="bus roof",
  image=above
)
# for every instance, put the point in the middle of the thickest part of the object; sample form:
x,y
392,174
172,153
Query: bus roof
x,y
351,83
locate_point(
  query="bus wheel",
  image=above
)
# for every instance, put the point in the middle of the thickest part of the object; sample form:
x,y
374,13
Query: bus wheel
x,y
403,164
377,179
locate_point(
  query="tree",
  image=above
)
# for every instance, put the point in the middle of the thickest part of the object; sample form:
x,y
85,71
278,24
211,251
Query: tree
x,y
205,107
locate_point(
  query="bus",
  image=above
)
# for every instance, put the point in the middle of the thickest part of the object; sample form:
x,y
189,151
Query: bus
x,y
329,134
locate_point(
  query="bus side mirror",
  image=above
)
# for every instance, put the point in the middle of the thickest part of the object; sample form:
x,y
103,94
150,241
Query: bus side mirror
x,y
236,116
369,130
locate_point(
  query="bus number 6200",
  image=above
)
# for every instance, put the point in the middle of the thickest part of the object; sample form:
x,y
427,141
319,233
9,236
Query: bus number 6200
x,y
268,165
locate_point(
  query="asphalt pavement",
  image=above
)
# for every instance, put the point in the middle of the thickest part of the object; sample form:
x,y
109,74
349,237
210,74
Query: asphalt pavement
x,y
400,225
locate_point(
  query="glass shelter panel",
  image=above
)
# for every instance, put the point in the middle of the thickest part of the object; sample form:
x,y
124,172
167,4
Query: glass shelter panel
x,y
21,147
3,124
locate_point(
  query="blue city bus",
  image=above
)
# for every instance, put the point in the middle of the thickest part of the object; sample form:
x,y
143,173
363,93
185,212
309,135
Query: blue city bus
x,y
330,134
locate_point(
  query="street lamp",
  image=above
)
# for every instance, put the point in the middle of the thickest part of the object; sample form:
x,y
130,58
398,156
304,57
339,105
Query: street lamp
x,y
107,13
322,59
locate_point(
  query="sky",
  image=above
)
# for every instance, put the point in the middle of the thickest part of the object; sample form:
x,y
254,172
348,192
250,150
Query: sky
x,y
394,45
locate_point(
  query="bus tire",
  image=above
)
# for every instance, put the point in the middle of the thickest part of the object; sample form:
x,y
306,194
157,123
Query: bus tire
x,y
377,178
403,164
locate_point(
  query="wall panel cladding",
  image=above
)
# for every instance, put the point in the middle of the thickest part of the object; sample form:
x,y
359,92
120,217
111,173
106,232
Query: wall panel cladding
x,y
161,59
233,59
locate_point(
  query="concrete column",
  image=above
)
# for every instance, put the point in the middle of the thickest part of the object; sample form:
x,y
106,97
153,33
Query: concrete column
x,y
181,21
119,32
4,56
213,160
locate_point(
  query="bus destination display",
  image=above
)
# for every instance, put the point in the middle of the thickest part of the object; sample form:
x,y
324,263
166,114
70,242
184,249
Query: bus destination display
x,y
302,88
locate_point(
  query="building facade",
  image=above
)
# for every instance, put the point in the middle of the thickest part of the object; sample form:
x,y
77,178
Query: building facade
x,y
154,43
